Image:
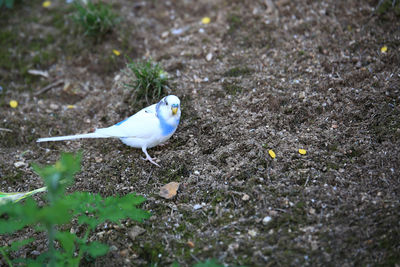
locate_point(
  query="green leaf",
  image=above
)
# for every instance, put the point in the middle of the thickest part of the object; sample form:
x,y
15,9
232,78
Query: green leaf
x,y
67,241
60,175
95,249
9,3
54,214
208,263
19,215
20,243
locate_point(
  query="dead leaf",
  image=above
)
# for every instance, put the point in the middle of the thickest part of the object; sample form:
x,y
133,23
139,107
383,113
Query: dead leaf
x,y
169,190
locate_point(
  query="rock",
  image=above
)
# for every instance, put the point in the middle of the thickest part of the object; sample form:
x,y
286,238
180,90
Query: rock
x,y
245,197
197,206
302,95
135,232
20,164
266,220
252,233
190,244
124,253
53,106
209,56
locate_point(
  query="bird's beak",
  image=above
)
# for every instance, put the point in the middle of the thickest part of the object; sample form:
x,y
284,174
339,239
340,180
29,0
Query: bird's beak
x,y
174,111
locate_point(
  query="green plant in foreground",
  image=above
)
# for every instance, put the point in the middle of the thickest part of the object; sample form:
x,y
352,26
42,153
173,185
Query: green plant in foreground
x,y
88,209
7,3
95,18
150,81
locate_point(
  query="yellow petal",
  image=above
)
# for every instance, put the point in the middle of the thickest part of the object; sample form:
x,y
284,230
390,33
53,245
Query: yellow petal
x,y
302,151
13,104
384,49
46,4
271,153
116,52
205,20
71,106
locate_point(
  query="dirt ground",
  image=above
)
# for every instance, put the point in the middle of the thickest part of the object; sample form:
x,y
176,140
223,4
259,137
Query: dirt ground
x,y
296,75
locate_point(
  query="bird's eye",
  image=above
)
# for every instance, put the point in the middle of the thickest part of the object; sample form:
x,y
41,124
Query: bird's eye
x,y
166,103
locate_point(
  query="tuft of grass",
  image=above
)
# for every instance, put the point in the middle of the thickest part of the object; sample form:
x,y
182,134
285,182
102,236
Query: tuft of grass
x,y
231,88
96,19
234,22
238,71
150,81
384,6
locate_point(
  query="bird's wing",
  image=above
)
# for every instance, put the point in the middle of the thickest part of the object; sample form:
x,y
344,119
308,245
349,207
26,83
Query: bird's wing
x,y
149,109
140,125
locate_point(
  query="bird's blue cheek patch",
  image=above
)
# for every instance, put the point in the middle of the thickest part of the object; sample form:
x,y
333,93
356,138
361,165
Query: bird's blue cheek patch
x,y
119,123
166,128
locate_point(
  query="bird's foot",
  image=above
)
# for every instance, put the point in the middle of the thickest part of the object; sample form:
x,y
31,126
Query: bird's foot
x,y
151,160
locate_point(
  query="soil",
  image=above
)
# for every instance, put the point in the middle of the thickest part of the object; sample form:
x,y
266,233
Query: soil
x,y
294,75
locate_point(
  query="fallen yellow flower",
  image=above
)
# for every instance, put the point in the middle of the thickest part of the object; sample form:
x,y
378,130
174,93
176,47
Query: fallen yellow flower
x,y
302,151
384,49
13,104
46,4
116,52
271,153
205,20
71,106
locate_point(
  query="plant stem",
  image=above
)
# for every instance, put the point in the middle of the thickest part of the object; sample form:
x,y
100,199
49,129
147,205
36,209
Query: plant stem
x,y
51,233
6,257
84,241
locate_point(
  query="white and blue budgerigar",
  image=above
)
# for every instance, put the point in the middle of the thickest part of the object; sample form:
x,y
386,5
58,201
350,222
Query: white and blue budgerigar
x,y
149,127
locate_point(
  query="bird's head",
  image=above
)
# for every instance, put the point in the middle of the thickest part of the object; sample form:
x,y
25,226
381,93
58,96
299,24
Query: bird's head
x,y
169,107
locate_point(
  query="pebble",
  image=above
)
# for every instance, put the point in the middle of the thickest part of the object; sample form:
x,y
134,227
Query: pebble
x,y
53,106
252,233
209,56
135,232
20,164
266,220
197,206
245,197
124,253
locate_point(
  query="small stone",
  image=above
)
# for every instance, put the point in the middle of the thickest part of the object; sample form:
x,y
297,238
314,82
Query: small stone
x,y
266,220
124,253
190,244
98,159
197,206
196,172
209,56
113,248
135,232
165,34
312,211
245,197
54,106
302,95
19,164
252,233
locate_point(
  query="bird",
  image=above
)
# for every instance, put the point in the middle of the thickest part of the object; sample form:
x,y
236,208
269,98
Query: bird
x,y
147,128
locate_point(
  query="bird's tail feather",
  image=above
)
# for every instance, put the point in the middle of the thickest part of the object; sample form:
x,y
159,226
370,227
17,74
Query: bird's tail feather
x,y
73,137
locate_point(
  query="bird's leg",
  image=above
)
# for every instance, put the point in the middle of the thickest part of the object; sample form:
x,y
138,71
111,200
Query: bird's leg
x,y
144,149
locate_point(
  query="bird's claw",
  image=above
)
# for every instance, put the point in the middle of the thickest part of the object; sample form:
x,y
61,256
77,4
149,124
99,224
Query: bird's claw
x,y
151,161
